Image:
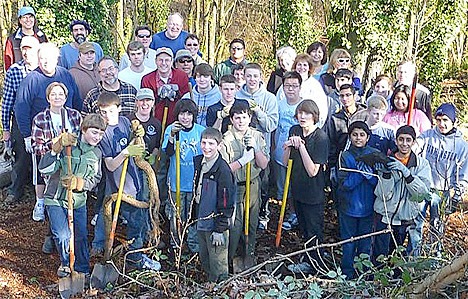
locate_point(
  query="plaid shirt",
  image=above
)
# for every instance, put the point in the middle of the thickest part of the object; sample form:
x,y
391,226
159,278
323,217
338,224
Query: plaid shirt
x,y
15,74
43,131
126,93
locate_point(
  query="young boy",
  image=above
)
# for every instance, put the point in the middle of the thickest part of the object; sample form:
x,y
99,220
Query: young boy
x,y
214,191
355,196
188,133
116,147
86,173
403,184
241,145
217,115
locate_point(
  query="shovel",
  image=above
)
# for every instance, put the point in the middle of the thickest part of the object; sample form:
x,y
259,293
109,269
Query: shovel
x,y
104,274
74,283
283,203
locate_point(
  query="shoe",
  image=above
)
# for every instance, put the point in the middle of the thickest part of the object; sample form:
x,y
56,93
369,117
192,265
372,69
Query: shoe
x,y
150,264
38,212
291,222
94,220
262,225
63,271
96,252
48,246
301,268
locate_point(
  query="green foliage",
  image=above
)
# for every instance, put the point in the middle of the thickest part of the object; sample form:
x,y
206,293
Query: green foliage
x,y
286,288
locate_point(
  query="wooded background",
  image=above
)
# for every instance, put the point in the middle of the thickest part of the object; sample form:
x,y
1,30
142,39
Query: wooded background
x,y
378,33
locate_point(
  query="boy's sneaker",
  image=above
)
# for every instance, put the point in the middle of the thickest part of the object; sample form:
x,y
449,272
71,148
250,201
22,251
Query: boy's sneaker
x,y
38,212
291,223
48,246
63,271
94,220
149,264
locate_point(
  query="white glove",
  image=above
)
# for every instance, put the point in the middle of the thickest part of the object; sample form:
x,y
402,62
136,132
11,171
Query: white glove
x,y
246,157
217,239
28,145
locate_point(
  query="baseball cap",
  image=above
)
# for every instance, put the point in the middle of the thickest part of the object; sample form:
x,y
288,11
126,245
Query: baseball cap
x,y
86,47
166,50
183,53
447,109
26,10
29,41
145,93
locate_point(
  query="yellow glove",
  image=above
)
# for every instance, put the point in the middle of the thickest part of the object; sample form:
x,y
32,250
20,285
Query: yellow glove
x,y
57,144
69,139
134,150
140,131
72,182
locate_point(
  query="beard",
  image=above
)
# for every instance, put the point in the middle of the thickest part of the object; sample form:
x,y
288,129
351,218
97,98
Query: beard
x,y
80,38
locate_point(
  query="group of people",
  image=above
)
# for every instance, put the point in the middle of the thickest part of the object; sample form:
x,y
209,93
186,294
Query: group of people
x,y
212,133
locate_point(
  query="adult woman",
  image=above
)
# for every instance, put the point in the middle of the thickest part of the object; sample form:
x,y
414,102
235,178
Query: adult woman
x,y
285,57
339,59
318,52
192,43
307,146
382,86
398,115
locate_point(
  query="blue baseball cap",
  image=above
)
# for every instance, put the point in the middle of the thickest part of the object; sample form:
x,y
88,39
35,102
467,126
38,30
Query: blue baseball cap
x,y
25,10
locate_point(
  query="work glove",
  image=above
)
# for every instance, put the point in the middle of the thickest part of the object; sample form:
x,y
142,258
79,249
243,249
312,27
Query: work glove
x,y
134,150
175,128
68,139
250,142
398,166
140,131
253,105
379,167
28,145
151,158
217,239
221,114
247,156
72,182
366,169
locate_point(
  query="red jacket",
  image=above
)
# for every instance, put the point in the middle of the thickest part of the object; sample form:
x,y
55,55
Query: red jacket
x,y
12,47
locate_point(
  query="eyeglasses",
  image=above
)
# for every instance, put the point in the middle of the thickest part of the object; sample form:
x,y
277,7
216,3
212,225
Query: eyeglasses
x,y
343,60
188,60
144,36
291,86
108,70
237,48
192,45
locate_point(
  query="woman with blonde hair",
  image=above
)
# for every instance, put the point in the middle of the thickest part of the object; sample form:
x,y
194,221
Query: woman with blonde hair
x,y
339,59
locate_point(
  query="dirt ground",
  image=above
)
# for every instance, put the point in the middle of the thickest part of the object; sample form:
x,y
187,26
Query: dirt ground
x,y
25,272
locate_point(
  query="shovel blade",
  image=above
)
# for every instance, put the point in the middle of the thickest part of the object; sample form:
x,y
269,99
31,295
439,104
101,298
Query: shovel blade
x,y
103,275
71,285
241,263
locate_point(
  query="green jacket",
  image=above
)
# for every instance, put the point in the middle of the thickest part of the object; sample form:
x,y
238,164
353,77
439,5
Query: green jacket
x,y
224,68
86,163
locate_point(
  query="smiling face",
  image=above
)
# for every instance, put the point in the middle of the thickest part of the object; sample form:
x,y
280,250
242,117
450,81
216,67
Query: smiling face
x,y
27,21
343,62
174,26
252,79
92,136
203,83
57,98
192,45
164,63
185,64
444,123
108,72
241,121
209,147
87,58
144,106
144,37
302,67
48,61
186,119
359,137
401,102
382,88
317,55
79,33
286,62
404,143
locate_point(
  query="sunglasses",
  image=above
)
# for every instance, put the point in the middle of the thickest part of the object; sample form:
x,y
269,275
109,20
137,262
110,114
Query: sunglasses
x,y
192,45
144,36
184,60
343,60
237,48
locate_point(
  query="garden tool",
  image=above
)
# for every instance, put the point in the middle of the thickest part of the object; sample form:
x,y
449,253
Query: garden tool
x,y
103,274
283,203
74,283
412,100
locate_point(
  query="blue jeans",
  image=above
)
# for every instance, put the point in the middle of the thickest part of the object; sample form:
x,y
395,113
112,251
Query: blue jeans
x,y
61,234
353,227
185,215
433,205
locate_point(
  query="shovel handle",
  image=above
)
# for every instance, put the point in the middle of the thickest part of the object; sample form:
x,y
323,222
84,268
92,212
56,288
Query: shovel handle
x,y
247,202
117,207
70,211
283,203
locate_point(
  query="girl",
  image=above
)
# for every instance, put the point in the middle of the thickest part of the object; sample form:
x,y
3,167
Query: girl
x,y
318,52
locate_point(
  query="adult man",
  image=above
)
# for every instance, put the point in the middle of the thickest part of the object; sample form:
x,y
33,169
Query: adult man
x,y
144,36
108,72
171,79
11,135
237,50
136,70
173,37
27,27
85,71
31,95
406,71
80,30
184,62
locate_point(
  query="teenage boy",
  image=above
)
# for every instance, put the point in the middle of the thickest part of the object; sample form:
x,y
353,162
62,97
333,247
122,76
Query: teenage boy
x,y
342,76
86,173
265,119
214,191
116,147
206,92
402,185
188,133
217,115
241,145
